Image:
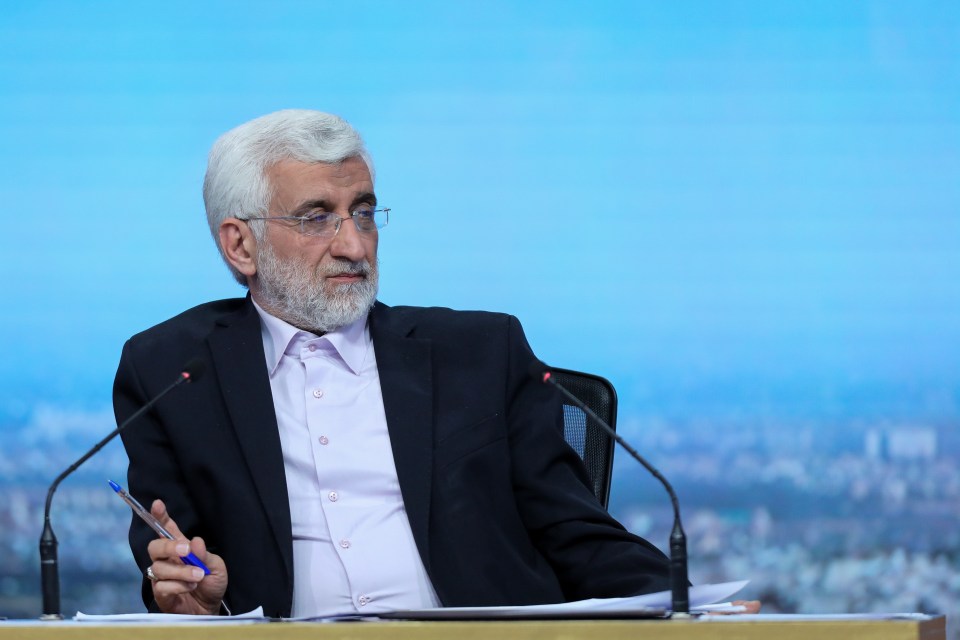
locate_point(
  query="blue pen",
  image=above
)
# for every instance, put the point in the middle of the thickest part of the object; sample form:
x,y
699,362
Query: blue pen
x,y
147,517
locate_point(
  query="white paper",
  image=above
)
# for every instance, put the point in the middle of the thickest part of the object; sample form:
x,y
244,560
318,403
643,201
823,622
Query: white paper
x,y
700,595
167,618
701,598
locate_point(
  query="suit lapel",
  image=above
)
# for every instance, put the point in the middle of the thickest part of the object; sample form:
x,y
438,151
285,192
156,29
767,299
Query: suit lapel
x,y
406,381
239,360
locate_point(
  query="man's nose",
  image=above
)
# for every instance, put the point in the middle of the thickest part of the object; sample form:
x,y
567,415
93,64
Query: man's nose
x,y
348,243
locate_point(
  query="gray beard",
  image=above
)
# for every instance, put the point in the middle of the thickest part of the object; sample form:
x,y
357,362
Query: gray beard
x,y
294,292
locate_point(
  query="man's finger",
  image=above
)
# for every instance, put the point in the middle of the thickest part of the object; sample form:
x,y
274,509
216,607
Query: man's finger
x,y
162,549
166,571
752,606
159,511
199,548
167,588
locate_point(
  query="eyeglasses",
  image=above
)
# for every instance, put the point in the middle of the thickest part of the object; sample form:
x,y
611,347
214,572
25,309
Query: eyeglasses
x,y
326,225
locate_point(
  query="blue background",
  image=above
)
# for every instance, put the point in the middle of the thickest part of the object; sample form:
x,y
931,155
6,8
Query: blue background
x,y
745,214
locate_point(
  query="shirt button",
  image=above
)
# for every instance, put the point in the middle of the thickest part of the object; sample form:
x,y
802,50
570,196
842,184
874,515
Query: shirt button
x,y
345,544
363,600
324,440
333,497
312,348
318,393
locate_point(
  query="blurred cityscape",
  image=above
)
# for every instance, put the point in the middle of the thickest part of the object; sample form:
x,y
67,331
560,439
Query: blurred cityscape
x,y
821,517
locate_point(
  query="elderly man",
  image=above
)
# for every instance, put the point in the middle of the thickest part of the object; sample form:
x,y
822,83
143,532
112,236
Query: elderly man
x,y
342,455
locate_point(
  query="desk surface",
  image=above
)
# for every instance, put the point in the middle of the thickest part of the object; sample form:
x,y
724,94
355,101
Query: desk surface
x,y
722,629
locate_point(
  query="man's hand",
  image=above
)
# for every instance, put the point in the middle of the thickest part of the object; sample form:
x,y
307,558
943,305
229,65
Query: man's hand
x,y
179,587
753,606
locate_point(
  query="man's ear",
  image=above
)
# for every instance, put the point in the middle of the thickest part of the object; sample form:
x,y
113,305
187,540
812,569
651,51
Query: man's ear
x,y
239,246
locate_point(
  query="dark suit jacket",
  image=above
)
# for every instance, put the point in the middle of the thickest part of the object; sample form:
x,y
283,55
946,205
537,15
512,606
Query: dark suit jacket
x,y
499,505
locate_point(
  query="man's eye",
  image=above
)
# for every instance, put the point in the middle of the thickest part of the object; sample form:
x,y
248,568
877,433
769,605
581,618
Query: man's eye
x,y
365,213
319,219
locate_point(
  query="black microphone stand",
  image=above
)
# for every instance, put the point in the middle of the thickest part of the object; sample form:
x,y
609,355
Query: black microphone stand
x,y
49,567
679,584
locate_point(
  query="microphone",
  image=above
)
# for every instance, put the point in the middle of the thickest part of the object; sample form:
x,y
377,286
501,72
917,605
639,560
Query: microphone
x,y
679,584
49,568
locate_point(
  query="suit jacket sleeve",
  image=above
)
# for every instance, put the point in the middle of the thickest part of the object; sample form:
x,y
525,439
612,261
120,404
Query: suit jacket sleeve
x,y
591,553
155,474
513,519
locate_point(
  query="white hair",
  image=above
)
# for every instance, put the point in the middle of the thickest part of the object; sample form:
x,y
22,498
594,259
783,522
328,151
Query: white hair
x,y
236,183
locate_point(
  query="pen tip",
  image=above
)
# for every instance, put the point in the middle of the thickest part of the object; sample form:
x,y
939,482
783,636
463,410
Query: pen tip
x,y
114,485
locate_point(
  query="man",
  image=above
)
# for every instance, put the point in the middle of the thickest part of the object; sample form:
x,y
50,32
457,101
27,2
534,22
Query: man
x,y
341,455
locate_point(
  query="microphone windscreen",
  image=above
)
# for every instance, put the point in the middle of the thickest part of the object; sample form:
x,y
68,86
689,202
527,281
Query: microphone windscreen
x,y
194,369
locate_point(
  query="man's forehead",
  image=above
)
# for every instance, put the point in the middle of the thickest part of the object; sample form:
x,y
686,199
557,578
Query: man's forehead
x,y
297,175
295,184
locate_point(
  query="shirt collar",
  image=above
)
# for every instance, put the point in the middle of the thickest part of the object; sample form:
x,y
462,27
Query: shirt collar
x,y
352,342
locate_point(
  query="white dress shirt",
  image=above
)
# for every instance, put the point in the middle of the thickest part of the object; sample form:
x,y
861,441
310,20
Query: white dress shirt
x,y
353,549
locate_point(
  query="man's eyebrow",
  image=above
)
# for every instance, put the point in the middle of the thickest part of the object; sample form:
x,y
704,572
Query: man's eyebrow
x,y
307,206
368,197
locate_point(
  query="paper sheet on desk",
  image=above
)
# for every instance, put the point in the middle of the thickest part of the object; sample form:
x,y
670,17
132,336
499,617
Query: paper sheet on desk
x,y
700,595
168,618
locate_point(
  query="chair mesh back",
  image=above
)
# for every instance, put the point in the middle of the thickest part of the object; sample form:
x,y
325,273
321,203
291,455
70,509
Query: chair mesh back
x,y
588,439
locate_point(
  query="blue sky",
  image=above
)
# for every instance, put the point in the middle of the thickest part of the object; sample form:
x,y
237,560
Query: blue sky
x,y
683,193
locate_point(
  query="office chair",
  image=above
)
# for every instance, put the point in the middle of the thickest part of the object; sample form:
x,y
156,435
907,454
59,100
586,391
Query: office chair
x,y
587,438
